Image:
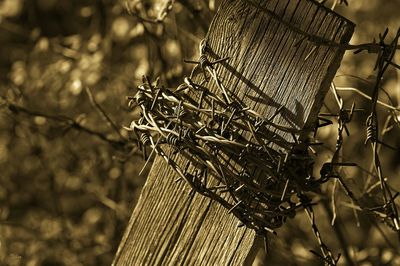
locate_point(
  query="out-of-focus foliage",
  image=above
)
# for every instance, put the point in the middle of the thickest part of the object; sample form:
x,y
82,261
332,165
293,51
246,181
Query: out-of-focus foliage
x,y
68,179
67,186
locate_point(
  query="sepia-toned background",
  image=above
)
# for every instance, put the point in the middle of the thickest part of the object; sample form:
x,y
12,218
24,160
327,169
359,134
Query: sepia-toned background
x,y
69,173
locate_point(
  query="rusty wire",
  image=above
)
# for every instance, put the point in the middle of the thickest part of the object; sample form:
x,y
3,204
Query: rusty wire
x,y
384,60
387,210
228,152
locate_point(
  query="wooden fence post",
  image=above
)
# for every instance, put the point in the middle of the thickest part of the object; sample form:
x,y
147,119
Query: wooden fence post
x,y
282,53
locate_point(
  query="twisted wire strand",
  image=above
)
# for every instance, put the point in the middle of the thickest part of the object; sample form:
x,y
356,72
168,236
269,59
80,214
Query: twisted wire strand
x,y
384,59
261,202
202,140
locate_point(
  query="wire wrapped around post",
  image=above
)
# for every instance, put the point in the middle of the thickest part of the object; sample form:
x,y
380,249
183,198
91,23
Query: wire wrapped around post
x,y
225,150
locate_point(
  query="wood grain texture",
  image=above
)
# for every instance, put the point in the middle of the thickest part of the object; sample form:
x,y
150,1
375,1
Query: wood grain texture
x,y
170,225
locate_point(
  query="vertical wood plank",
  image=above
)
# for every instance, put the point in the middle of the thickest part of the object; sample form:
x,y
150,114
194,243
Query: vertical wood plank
x,y
169,225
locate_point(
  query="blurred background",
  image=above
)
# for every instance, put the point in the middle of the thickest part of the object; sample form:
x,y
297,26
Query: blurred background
x,y
69,176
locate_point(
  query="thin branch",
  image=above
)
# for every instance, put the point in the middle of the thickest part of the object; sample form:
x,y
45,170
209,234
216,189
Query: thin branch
x,y
103,114
339,233
366,96
71,123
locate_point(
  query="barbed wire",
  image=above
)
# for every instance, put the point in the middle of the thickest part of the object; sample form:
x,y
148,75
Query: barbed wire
x,y
231,154
384,59
228,152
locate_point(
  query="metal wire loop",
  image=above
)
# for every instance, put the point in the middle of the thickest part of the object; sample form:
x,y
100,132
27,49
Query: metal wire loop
x,y
145,138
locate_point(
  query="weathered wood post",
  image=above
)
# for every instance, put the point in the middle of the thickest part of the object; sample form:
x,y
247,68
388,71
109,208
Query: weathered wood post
x,y
283,54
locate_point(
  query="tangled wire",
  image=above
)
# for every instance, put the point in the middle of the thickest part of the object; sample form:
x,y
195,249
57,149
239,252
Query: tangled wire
x,y
228,152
